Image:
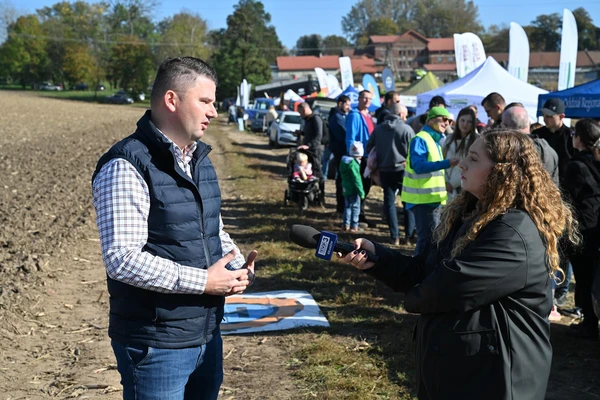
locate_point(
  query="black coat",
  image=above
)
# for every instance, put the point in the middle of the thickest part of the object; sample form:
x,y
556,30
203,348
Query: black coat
x,y
484,331
583,186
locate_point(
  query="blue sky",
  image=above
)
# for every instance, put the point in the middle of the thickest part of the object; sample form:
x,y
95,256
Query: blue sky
x,y
293,19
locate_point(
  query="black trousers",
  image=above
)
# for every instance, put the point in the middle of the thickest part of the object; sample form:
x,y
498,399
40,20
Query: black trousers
x,y
339,192
585,264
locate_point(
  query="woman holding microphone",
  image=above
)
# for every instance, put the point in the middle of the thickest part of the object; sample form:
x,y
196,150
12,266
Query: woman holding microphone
x,y
484,286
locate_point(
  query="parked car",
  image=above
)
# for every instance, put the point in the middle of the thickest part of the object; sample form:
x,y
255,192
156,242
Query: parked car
x,y
282,130
50,87
121,97
81,86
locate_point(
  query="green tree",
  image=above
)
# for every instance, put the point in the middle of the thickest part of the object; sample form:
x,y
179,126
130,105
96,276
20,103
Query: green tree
x,y
334,44
183,34
496,39
356,22
23,55
132,18
79,65
586,30
309,45
131,65
378,26
544,32
246,48
443,18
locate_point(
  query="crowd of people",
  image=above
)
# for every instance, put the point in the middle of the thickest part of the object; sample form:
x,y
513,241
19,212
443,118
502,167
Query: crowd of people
x,y
420,162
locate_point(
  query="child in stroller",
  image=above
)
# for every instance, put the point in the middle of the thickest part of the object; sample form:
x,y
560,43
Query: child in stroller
x,y
306,185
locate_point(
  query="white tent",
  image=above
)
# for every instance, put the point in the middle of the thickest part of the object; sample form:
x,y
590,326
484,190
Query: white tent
x,y
473,88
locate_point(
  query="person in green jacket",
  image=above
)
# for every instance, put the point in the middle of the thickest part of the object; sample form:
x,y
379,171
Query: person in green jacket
x,y
352,186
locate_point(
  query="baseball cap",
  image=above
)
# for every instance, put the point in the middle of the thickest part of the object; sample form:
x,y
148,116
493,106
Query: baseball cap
x,y
438,112
553,106
436,100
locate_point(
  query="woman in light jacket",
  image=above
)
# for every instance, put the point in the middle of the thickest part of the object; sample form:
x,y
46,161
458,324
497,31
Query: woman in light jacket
x,y
457,145
484,288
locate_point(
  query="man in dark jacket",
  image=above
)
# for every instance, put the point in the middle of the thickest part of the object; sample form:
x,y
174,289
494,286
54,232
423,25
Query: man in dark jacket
x,y
390,98
391,141
556,133
312,133
516,117
169,263
337,145
494,105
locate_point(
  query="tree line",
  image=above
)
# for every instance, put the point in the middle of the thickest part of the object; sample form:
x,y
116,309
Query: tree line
x,y
443,18
75,42
117,40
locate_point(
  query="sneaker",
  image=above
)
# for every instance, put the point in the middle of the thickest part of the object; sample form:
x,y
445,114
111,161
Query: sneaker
x,y
395,241
355,230
346,228
554,315
560,299
574,312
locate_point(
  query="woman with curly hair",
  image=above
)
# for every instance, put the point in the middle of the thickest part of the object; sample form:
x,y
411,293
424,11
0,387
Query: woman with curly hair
x,y
484,287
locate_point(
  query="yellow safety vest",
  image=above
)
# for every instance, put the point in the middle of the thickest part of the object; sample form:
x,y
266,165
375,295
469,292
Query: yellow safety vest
x,y
425,188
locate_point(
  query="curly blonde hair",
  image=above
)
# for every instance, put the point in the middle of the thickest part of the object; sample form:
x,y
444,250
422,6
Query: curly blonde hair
x,y
517,180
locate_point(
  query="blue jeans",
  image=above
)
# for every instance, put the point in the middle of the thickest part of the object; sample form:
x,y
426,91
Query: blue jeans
x,y
149,373
351,211
391,183
425,219
325,161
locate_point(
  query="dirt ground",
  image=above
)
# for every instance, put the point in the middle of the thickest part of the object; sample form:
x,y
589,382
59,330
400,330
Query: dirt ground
x,y
53,299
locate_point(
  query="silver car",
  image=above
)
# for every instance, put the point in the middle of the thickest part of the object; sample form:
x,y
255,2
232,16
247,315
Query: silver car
x,y
282,131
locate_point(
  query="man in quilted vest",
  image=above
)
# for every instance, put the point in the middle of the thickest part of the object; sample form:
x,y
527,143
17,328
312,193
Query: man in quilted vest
x,y
169,263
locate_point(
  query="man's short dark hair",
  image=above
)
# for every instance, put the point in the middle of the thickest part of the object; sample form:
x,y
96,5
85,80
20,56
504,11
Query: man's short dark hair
x,y
437,101
493,99
178,73
363,92
514,104
389,96
343,98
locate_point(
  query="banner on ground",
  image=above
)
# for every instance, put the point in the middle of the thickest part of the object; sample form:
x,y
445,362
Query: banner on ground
x,y
518,54
346,72
568,51
469,52
271,311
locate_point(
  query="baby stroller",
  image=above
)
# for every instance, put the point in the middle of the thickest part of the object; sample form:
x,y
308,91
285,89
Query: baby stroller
x,y
305,193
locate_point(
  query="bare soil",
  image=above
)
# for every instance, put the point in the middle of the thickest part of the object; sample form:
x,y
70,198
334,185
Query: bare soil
x,y
53,299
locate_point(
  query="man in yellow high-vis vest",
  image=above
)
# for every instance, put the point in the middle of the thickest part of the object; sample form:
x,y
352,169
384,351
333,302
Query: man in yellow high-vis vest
x,y
424,187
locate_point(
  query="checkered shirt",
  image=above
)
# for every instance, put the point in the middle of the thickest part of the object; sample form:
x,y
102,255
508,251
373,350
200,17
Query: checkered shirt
x,y
122,203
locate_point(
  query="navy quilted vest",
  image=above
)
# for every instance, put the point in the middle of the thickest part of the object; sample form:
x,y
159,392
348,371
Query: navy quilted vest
x,y
183,226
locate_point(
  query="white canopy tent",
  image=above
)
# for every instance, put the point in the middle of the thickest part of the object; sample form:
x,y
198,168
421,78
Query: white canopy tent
x,y
473,88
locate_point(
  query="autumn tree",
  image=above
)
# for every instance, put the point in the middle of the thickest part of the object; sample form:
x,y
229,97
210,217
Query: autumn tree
x,y
183,34
246,49
131,65
334,44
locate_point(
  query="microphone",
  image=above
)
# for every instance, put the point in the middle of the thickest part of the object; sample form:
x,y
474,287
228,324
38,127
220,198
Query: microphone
x,y
310,238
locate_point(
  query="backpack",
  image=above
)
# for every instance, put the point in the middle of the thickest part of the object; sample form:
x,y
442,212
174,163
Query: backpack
x,y
325,137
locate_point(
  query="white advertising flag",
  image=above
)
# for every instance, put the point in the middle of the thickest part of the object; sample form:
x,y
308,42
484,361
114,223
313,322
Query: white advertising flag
x,y
568,52
346,72
518,54
322,78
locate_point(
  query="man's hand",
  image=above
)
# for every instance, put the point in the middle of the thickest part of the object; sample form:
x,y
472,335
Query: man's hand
x,y
303,147
454,162
449,187
249,266
221,282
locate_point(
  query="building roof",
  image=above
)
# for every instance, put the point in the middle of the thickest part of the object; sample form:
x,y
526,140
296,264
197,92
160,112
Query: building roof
x,y
383,39
299,63
413,33
546,59
363,64
440,67
440,44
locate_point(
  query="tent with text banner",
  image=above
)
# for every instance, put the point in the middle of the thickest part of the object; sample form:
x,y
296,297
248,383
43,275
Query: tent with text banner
x,y
474,87
581,101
